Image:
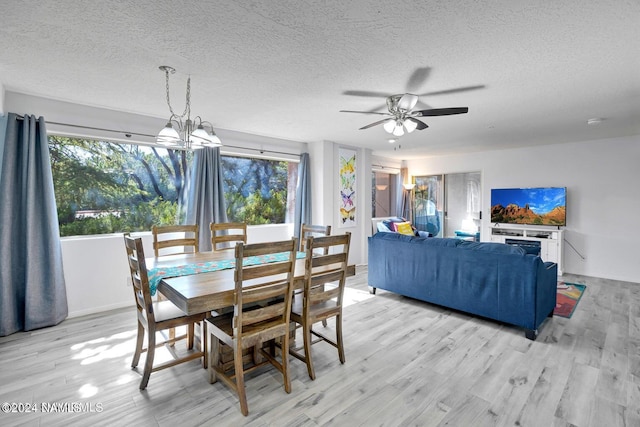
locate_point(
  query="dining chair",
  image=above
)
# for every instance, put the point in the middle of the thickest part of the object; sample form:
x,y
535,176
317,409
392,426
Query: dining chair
x,y
223,233
158,316
324,281
172,240
176,238
261,313
308,230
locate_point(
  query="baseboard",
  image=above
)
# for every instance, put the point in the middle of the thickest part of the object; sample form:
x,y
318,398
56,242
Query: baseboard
x,y
94,310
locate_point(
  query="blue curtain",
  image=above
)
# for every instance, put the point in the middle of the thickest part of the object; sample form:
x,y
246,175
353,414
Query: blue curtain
x,y
32,287
303,196
205,203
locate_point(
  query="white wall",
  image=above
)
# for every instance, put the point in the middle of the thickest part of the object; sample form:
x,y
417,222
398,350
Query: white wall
x,y
2,110
325,167
603,198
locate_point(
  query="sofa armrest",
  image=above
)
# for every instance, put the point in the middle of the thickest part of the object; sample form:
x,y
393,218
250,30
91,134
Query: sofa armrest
x,y
546,290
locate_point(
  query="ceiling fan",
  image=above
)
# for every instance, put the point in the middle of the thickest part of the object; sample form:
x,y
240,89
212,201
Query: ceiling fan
x,y
401,116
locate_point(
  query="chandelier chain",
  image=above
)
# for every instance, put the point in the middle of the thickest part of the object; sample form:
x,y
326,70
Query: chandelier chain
x,y
187,109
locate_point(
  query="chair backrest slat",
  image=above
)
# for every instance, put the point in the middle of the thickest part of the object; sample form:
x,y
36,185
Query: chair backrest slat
x,y
184,238
223,233
309,230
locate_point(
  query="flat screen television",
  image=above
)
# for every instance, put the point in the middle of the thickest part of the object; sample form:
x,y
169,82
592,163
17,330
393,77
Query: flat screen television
x,y
529,206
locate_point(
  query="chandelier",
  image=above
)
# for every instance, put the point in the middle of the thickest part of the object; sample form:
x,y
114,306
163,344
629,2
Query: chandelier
x,y
181,131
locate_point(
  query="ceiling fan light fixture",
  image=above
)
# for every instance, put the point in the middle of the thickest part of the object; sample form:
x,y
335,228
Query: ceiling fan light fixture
x,y
389,125
398,130
410,125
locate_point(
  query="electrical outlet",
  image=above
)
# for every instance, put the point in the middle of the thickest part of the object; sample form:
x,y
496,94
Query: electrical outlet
x,y
127,281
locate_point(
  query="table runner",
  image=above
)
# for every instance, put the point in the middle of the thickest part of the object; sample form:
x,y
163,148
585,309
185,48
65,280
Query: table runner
x,y
157,274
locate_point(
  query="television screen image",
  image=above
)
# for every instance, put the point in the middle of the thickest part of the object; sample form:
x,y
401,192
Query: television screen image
x,y
529,206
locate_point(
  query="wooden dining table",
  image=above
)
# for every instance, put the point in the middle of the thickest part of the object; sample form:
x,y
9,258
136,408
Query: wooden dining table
x,y
204,292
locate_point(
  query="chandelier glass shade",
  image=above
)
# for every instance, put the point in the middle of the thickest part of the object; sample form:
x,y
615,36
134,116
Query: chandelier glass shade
x,y
182,132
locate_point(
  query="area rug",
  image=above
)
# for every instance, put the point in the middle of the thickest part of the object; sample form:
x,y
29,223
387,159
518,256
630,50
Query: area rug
x,y
567,298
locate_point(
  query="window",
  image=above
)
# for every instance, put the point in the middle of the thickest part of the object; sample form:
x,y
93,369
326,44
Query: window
x,y
108,187
259,191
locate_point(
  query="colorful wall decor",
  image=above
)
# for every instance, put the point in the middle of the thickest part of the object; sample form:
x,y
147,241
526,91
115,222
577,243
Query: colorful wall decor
x,y
347,187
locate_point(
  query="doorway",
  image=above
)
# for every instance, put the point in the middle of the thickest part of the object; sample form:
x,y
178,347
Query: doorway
x,y
448,205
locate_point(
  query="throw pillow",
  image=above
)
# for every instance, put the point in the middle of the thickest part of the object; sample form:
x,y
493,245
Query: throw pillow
x,y
404,228
383,228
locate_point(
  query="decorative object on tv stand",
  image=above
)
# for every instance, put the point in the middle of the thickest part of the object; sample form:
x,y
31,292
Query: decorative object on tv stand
x,y
189,134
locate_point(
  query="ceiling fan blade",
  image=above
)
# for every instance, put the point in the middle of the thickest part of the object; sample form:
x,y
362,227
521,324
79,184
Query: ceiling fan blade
x,y
423,105
407,102
417,78
365,112
421,124
374,124
440,112
366,93
455,90
378,108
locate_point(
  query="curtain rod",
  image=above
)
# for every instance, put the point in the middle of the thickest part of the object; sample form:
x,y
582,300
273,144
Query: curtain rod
x,y
128,135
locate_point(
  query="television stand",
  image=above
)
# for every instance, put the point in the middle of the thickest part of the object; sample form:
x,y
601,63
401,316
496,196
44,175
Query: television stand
x,y
549,240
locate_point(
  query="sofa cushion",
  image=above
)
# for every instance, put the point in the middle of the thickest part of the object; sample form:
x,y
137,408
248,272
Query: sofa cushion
x,y
499,248
431,241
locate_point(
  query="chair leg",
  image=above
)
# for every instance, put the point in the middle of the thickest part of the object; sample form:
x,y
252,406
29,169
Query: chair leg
x,y
324,322
203,344
172,331
214,359
284,353
139,342
190,335
239,371
307,350
148,364
339,338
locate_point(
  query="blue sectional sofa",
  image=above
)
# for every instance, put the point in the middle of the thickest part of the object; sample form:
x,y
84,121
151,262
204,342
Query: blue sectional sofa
x,y
492,280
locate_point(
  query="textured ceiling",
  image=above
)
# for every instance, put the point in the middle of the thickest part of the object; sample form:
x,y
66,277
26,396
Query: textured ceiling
x,y
280,68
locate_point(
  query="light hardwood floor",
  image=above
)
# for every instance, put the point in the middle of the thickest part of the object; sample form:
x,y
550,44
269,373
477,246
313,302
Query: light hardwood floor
x,y
407,363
